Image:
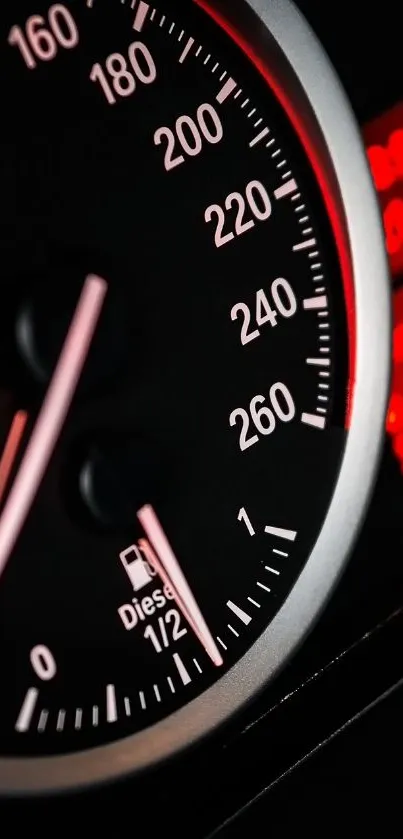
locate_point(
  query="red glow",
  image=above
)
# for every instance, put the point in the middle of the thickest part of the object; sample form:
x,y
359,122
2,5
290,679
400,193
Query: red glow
x,y
398,447
298,124
398,344
394,421
384,140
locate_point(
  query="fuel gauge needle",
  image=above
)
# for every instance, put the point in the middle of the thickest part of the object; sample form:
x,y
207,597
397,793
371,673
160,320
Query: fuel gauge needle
x,y
163,559
52,414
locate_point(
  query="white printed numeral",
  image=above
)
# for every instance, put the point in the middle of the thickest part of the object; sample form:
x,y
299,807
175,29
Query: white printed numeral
x,y
43,663
165,636
189,134
118,79
243,516
263,418
256,199
285,305
41,39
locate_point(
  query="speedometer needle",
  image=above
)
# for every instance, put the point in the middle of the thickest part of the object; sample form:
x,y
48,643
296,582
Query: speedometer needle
x,y
163,559
11,448
52,414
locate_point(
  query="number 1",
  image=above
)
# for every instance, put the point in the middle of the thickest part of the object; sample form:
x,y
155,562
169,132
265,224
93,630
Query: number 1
x,y
16,39
98,75
243,516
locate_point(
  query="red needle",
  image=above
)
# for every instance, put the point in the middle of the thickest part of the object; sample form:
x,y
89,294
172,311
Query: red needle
x,y
11,448
52,414
163,559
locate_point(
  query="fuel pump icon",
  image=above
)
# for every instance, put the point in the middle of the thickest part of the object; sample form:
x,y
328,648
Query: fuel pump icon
x,y
136,567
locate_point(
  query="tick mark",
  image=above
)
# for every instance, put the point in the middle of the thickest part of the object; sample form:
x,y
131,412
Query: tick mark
x,y
259,138
286,189
316,302
309,243
61,718
27,710
281,533
314,420
141,15
186,51
43,719
111,710
226,91
318,362
182,669
243,616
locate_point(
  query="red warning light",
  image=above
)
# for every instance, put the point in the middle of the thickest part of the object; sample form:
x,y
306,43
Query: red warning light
x,y
384,140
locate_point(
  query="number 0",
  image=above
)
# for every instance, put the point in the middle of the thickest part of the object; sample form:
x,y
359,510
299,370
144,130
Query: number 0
x,y
60,17
43,663
140,54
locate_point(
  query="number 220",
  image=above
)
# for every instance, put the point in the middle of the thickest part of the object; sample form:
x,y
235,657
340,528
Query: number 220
x,y
256,199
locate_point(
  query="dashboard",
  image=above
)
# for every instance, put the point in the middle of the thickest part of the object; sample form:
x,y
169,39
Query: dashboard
x,y
201,409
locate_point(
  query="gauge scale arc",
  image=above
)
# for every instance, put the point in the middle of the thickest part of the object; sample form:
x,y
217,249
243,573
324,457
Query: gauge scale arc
x,y
194,370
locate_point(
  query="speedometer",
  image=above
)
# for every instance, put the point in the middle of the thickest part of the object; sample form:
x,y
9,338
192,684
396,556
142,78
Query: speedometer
x,y
194,338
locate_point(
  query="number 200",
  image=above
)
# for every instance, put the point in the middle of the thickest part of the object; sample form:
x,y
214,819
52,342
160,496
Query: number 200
x,y
190,134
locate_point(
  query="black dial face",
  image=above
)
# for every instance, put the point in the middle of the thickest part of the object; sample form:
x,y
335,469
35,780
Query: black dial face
x,y
158,207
